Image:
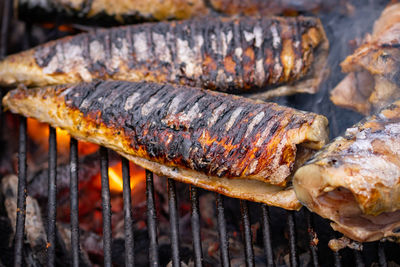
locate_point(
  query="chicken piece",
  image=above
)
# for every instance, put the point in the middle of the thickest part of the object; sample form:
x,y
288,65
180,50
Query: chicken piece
x,y
378,58
355,180
232,145
230,55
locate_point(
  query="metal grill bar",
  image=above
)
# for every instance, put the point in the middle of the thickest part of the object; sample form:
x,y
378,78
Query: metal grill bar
x,y
74,167
223,237
21,198
381,255
174,221
198,255
292,240
151,220
105,199
312,235
248,244
358,258
267,236
51,201
129,245
338,262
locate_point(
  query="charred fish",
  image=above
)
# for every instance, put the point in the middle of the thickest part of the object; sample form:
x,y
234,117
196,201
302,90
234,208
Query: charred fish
x,y
284,55
229,144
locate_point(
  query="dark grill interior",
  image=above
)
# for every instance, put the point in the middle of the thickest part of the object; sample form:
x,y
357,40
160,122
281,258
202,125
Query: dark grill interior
x,y
373,252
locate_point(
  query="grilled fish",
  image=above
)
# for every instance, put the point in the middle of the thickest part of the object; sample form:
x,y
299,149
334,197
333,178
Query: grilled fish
x,y
111,12
374,67
355,180
230,55
128,11
270,7
229,144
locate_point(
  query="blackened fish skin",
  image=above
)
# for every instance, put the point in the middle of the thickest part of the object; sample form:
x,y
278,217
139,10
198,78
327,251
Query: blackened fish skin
x,y
229,55
208,132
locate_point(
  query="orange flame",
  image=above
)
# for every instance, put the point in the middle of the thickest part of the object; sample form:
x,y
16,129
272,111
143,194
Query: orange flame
x,y
137,175
39,133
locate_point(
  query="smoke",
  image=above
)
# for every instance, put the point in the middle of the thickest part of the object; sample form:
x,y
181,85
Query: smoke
x,y
346,26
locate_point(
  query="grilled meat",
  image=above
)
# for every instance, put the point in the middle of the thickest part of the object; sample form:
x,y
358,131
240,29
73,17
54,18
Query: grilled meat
x,y
127,11
231,55
355,180
232,145
377,61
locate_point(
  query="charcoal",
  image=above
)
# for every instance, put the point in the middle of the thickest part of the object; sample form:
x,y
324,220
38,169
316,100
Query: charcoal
x,y
34,227
88,167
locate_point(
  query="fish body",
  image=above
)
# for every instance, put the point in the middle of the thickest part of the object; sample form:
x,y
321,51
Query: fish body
x,y
355,180
230,55
224,143
129,11
271,7
110,12
374,77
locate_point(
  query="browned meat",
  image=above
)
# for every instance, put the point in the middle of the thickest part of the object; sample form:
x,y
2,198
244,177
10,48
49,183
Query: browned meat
x,y
378,60
231,55
126,11
233,145
355,180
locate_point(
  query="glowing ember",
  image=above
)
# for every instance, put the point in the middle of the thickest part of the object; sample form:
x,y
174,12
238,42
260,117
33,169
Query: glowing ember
x,y
39,133
63,28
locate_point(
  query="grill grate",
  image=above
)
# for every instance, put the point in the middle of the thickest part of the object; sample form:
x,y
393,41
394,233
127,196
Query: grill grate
x,y
74,202
129,245
267,236
21,197
173,218
196,227
223,237
310,228
52,190
106,204
381,255
151,220
248,251
151,209
294,261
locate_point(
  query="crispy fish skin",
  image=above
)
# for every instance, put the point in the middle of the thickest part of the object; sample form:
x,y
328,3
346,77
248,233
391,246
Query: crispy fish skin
x,y
121,11
378,58
355,180
128,11
210,139
230,55
269,7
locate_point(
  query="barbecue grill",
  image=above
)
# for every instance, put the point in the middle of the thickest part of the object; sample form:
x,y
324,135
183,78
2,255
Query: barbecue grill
x,y
378,247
